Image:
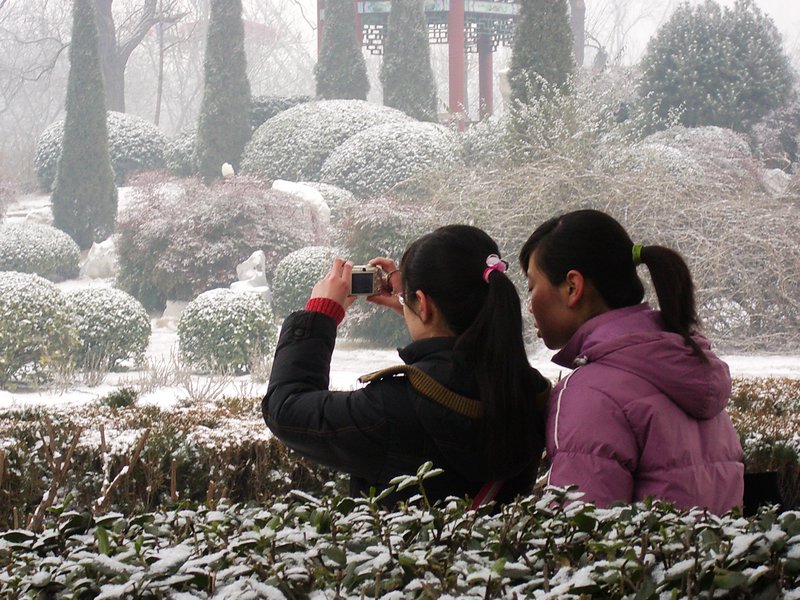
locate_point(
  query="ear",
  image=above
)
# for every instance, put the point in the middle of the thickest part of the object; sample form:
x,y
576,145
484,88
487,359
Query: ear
x,y
425,306
574,288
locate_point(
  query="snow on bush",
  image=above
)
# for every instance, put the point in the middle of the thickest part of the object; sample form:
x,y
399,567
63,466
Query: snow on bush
x,y
226,331
375,160
179,238
112,326
302,546
179,153
40,249
295,143
134,144
38,333
263,108
296,274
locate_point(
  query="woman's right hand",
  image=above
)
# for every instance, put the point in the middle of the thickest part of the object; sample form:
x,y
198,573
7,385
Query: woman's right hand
x,y
393,285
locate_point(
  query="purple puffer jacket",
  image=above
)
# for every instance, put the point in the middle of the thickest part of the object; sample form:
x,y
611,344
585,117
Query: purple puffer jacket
x,y
640,415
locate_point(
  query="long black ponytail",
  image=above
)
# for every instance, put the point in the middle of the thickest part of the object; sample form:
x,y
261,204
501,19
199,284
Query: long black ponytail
x,y
595,244
448,265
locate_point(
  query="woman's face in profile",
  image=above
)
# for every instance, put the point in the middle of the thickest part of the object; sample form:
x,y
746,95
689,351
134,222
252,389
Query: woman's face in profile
x,y
552,317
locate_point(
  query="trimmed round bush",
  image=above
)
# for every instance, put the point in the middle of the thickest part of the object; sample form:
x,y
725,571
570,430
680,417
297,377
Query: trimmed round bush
x,y
38,332
40,249
295,143
716,66
179,238
335,197
296,275
263,108
226,331
179,153
134,144
375,160
112,326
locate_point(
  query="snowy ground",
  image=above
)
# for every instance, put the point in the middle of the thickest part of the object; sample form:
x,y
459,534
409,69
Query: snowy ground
x,y
349,362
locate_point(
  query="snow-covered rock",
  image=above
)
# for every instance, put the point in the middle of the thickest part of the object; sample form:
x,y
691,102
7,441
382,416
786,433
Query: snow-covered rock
x,y
776,181
101,261
252,276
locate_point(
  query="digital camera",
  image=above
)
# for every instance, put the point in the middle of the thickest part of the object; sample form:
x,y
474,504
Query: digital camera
x,y
366,280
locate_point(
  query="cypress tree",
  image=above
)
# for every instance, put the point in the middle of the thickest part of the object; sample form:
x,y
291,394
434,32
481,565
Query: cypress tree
x,y
542,50
84,196
341,71
406,74
224,125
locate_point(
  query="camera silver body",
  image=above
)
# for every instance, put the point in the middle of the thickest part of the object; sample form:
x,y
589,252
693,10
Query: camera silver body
x,y
366,280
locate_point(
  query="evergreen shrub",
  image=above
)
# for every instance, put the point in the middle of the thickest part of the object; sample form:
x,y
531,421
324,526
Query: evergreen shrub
x,y
375,160
40,249
263,108
716,66
179,238
226,331
84,199
406,74
112,327
294,144
223,126
541,60
179,153
341,71
38,333
335,197
134,144
296,275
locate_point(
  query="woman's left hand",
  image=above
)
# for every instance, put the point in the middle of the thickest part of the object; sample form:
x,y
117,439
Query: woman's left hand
x,y
336,284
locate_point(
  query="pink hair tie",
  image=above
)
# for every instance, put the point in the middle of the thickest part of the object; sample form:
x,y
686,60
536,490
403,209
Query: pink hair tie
x,y
494,263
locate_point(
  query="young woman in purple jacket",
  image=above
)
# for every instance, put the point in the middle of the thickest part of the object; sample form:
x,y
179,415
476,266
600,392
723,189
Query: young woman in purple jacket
x,y
642,412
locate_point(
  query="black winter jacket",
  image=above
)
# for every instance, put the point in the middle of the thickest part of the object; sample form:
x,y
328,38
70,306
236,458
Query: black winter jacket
x,y
386,428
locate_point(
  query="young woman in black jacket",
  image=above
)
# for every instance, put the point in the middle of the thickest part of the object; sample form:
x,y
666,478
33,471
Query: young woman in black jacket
x,y
466,399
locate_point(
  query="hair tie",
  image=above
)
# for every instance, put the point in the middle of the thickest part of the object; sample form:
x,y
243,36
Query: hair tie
x,y
637,254
494,263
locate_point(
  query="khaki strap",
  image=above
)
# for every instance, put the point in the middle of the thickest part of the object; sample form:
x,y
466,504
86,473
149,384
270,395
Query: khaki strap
x,y
430,388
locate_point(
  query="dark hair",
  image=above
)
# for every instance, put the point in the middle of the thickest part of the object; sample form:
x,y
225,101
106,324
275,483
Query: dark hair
x,y
596,245
447,264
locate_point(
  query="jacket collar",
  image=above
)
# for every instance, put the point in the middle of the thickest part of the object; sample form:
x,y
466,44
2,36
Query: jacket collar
x,y
592,332
421,349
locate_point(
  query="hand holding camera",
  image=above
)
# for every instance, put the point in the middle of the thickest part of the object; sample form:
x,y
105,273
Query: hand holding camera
x,y
379,281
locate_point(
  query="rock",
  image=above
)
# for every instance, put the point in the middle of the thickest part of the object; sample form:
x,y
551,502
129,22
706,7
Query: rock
x,y
41,216
319,211
101,262
172,312
776,181
252,276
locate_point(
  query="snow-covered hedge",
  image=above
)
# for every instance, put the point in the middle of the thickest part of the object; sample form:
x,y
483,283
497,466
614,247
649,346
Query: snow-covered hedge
x,y
301,546
225,331
134,144
295,143
263,108
296,274
112,326
179,153
40,249
375,160
38,333
335,197
179,238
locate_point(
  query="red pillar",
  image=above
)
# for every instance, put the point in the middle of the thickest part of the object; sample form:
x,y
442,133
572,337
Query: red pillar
x,y
456,60
485,75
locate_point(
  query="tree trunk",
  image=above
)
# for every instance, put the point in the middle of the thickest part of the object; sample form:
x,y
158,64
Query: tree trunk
x,y
577,10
